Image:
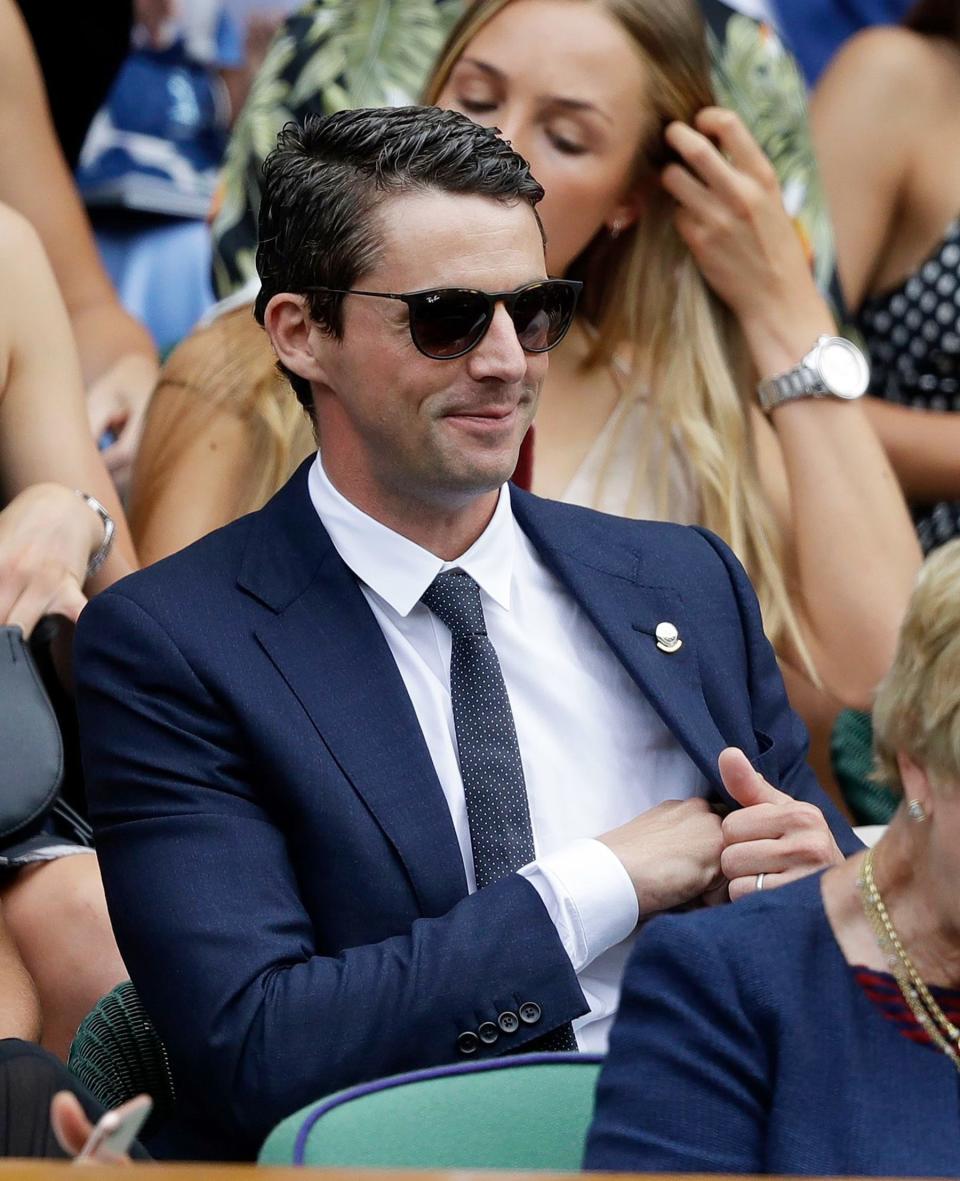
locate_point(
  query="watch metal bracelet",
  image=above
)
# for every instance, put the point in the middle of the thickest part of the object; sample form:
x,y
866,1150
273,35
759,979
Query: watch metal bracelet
x,y
788,387
102,552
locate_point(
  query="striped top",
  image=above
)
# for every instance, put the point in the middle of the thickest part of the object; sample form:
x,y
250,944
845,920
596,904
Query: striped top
x,y
884,992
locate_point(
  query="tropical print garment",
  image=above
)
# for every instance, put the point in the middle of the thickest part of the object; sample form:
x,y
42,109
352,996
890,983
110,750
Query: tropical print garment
x,y
327,56
333,54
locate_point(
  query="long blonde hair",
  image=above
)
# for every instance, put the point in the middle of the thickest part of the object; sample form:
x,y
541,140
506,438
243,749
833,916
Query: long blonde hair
x,y
645,291
228,367
917,707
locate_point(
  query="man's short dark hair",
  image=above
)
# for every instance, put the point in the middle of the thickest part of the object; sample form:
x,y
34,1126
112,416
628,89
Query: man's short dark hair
x,y
324,182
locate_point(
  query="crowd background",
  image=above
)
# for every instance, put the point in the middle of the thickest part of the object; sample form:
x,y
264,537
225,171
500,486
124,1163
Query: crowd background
x,y
134,369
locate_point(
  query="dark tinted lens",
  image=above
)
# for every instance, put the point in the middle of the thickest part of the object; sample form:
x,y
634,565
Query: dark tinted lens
x,y
542,315
445,323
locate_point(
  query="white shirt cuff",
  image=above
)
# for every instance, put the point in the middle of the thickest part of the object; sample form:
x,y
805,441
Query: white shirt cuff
x,y
588,895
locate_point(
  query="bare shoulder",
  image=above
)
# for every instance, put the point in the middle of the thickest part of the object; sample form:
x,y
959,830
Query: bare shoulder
x,y
19,241
889,49
886,62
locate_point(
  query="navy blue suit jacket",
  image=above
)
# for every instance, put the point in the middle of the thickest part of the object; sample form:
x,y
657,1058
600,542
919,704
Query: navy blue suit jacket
x,y
281,866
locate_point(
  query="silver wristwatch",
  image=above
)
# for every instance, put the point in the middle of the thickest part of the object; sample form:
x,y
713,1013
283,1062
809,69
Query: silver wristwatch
x,y
102,552
834,367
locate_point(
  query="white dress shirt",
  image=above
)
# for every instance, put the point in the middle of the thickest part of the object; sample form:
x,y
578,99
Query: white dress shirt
x,y
594,752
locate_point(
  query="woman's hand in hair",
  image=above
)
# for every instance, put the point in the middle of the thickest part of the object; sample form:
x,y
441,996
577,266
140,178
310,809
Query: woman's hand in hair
x,y
730,213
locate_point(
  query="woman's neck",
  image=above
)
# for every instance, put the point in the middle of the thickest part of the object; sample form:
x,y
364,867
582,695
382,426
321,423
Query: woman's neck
x,y
925,926
575,406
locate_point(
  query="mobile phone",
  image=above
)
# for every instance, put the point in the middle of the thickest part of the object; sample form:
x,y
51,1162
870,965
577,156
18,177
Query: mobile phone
x,y
116,1130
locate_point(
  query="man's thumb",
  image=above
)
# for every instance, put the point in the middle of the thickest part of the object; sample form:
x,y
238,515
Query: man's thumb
x,y
743,784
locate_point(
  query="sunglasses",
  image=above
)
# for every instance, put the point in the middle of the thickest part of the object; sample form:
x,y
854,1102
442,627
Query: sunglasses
x,y
447,322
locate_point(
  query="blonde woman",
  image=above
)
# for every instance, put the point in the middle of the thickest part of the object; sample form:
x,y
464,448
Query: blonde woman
x,y
662,204
814,1029
223,433
649,407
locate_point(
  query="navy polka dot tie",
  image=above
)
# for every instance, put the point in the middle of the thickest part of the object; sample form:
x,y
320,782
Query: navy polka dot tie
x,y
500,833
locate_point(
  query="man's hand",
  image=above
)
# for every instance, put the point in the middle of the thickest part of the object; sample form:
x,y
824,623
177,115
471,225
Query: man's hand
x,y
672,853
771,833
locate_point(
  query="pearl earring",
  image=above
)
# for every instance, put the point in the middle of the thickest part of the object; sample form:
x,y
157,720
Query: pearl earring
x,y
617,228
916,811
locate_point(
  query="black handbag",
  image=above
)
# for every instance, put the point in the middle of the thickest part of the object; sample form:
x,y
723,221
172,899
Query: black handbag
x,y
31,747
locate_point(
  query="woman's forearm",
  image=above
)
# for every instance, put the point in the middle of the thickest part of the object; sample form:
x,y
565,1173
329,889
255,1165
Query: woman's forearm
x,y
44,432
35,180
851,554
853,551
923,446
856,553
106,334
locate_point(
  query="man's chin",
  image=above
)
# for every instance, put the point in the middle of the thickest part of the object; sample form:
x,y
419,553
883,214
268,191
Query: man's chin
x,y
481,461
470,479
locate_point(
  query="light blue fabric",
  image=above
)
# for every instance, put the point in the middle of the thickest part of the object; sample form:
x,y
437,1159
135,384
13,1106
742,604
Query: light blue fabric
x,y
745,1045
161,273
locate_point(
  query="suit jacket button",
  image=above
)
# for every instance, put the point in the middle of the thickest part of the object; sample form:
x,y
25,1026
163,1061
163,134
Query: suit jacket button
x,y
530,1012
488,1033
508,1022
467,1042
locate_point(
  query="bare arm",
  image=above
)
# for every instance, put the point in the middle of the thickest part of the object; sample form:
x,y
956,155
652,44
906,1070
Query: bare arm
x,y
47,533
19,1007
186,481
117,355
852,551
923,446
223,433
862,126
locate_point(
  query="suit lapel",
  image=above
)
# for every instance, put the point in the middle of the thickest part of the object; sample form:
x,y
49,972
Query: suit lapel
x,y
609,583
328,647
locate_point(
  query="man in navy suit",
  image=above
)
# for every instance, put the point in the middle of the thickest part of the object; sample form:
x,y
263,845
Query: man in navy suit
x,y
386,774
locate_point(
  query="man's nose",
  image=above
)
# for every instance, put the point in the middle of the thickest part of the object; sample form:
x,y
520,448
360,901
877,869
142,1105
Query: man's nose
x,y
499,356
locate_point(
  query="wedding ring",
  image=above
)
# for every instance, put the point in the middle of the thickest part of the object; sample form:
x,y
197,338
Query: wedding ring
x,y
760,877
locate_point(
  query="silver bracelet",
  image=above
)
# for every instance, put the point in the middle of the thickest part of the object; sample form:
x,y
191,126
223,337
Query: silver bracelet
x,y
109,529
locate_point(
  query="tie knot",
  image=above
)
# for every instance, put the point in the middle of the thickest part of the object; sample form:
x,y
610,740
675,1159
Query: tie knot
x,y
454,598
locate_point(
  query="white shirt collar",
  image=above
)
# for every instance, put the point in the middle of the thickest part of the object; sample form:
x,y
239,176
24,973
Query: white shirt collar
x,y
396,568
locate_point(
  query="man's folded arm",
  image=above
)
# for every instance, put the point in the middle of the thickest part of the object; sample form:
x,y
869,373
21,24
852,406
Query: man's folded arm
x,y
210,921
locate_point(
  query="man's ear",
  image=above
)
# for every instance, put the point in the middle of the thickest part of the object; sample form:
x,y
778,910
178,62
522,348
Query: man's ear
x,y
293,335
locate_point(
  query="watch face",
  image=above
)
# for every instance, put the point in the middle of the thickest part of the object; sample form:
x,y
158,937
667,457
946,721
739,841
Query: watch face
x,y
843,368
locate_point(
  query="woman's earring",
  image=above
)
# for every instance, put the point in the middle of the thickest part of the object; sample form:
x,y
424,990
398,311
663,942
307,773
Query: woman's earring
x,y
916,811
617,228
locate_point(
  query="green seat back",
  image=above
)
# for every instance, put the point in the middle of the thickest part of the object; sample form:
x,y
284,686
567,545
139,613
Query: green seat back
x,y
851,753
117,1054
524,1112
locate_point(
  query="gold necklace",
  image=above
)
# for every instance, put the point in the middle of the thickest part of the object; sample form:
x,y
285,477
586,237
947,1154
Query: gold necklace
x,y
938,1026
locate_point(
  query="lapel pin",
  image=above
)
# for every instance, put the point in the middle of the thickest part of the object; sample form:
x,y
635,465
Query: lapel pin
x,y
668,638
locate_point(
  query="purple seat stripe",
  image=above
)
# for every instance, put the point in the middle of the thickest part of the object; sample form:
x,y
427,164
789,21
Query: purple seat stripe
x,y
418,1076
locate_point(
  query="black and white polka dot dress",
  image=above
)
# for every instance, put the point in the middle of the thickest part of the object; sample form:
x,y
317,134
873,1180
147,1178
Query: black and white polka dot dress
x,y
913,337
